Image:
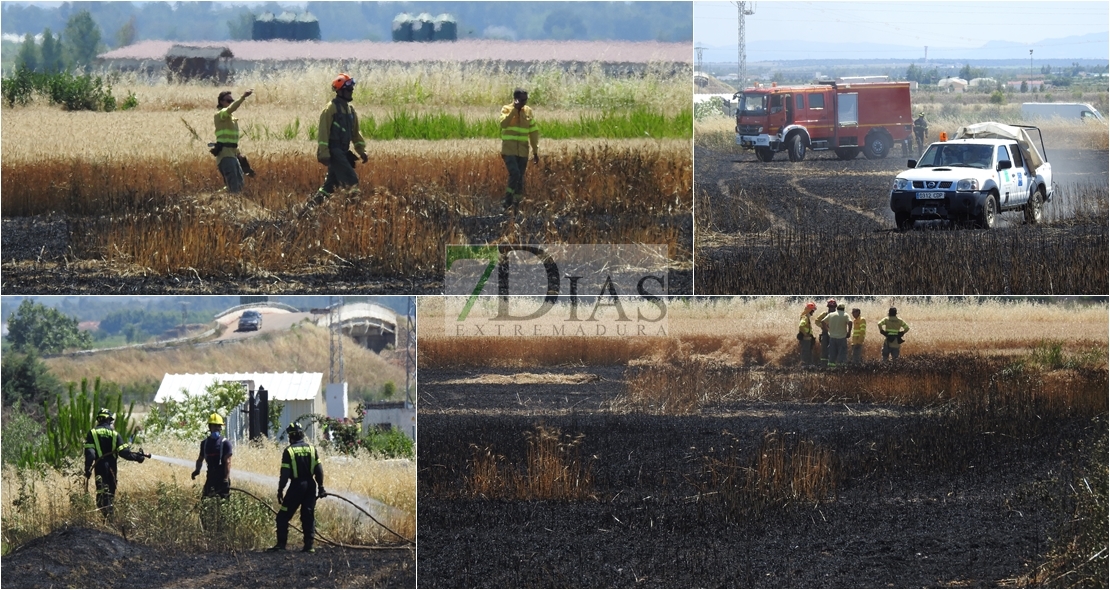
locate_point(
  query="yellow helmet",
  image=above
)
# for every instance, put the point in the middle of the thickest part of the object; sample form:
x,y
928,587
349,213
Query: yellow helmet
x,y
216,419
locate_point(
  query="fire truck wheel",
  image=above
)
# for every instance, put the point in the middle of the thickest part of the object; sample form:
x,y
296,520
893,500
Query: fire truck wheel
x,y
797,149
877,145
764,154
847,153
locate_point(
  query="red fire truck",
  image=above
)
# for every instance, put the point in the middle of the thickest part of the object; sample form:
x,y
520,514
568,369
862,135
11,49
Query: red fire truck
x,y
846,117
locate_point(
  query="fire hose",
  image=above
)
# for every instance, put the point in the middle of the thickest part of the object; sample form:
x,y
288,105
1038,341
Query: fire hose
x,y
320,536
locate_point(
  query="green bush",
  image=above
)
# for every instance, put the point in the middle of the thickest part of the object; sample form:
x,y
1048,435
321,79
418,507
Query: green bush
x,y
391,443
713,108
21,431
70,421
187,419
74,93
130,102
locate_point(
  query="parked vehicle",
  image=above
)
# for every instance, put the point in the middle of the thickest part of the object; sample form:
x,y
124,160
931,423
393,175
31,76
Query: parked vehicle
x,y
250,320
988,168
1064,110
845,117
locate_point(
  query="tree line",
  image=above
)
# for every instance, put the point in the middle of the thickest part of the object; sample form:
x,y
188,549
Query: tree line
x,y
75,48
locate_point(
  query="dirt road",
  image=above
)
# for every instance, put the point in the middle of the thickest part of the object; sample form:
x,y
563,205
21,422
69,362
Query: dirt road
x,y
273,320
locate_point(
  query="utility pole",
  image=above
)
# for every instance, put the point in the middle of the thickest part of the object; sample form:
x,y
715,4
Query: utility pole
x,y
742,10
1030,69
335,350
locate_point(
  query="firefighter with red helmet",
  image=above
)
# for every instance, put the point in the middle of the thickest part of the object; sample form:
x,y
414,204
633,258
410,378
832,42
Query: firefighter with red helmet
x,y
300,467
216,451
805,333
102,446
337,132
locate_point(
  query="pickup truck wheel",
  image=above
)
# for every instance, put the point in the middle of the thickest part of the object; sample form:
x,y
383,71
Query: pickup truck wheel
x,y
903,221
764,154
797,148
847,153
1034,209
877,145
986,218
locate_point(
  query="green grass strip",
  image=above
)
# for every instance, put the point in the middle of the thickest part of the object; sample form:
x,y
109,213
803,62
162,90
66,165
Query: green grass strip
x,y
637,123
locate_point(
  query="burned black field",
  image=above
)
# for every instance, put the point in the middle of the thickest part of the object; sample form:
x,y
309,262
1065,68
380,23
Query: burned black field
x,y
745,490
824,225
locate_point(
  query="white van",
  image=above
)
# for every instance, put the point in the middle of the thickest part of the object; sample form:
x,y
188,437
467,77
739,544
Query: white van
x,y
1063,110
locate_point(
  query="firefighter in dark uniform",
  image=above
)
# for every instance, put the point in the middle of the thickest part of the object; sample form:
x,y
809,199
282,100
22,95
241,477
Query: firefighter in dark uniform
x,y
216,451
300,467
920,130
337,132
102,445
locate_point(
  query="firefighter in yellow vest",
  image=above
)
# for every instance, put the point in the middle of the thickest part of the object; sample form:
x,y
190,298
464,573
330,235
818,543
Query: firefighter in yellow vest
x,y
805,334
102,446
337,132
231,162
518,132
893,328
859,332
300,466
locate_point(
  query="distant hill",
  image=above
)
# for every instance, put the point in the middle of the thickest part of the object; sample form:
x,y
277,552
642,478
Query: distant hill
x,y
1093,46
711,85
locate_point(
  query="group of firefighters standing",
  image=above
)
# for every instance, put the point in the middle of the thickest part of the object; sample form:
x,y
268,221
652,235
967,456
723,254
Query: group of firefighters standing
x,y
840,333
300,469
339,131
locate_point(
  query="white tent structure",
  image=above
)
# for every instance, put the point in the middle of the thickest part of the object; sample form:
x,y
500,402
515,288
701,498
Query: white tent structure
x,y
301,393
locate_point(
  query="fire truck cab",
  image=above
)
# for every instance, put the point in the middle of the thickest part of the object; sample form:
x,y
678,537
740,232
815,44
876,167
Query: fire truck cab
x,y
845,117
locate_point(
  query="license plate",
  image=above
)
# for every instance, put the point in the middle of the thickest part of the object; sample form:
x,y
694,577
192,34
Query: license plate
x,y
763,140
930,195
929,210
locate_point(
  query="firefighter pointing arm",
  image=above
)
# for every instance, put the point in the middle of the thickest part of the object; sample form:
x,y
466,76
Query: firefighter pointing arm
x,y
230,161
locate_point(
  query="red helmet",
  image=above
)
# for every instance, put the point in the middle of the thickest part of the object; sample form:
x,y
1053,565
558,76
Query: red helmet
x,y
831,303
342,81
811,306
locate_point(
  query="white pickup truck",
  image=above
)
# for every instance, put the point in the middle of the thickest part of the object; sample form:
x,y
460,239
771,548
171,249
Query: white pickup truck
x,y
988,168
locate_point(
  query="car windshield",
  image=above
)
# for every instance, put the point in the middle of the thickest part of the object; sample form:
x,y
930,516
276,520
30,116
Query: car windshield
x,y
962,155
753,104
250,315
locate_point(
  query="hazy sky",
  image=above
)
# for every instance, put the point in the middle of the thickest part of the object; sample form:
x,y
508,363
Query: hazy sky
x,y
936,24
